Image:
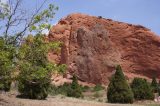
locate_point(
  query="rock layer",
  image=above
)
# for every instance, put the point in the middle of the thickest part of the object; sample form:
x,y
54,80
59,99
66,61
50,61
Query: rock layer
x,y
93,46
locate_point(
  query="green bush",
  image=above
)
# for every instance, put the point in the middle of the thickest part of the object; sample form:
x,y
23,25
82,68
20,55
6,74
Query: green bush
x,y
141,89
85,88
62,89
5,85
34,90
75,89
98,87
118,90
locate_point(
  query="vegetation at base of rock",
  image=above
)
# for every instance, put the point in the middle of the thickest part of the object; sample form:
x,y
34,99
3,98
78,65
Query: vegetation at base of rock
x,y
118,90
69,89
141,89
154,85
98,87
85,88
62,89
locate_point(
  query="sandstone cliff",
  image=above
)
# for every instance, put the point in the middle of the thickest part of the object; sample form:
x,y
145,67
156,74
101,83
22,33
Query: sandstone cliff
x,y
93,46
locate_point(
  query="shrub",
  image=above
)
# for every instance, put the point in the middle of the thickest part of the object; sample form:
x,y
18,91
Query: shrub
x,y
141,89
98,87
62,89
118,90
5,85
154,85
85,88
75,89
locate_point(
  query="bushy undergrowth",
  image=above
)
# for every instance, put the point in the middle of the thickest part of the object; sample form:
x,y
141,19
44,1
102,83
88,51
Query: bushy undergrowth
x,y
98,87
141,89
62,89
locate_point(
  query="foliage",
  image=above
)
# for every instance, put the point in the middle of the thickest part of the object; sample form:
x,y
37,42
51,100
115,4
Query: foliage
x,y
35,69
98,87
85,88
118,90
75,89
154,85
65,89
62,89
141,89
7,54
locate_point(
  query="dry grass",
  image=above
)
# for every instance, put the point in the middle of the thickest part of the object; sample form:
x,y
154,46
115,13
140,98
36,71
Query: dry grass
x,y
10,99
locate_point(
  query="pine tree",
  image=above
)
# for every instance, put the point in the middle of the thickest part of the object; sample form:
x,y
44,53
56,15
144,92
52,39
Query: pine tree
x,y
75,89
141,89
118,89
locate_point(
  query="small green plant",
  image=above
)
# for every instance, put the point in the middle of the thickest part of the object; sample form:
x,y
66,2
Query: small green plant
x,y
98,87
141,89
62,89
118,89
84,88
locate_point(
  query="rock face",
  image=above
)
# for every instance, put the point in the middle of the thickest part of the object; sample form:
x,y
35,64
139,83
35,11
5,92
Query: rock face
x,y
93,46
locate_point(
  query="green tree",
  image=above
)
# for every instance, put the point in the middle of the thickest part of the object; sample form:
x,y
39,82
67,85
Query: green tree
x,y
75,89
34,79
15,22
154,85
118,90
7,64
141,89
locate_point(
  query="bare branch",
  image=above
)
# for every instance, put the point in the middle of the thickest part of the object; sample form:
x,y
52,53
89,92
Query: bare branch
x,y
30,23
11,16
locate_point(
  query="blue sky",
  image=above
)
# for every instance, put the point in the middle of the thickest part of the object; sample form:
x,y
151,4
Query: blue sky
x,y
144,12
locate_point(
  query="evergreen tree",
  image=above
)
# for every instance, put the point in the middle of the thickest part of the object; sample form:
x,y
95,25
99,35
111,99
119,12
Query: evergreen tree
x,y
154,85
75,89
118,89
141,89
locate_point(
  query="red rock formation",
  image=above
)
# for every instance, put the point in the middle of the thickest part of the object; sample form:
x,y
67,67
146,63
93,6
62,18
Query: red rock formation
x,y
93,46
